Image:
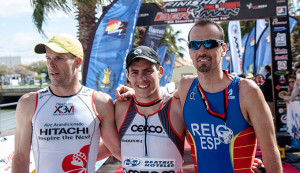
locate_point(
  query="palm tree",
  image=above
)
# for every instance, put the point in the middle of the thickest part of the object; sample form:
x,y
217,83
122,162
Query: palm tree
x,y
85,11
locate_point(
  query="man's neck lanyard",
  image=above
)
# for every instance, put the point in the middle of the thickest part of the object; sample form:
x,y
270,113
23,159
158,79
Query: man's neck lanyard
x,y
149,103
206,103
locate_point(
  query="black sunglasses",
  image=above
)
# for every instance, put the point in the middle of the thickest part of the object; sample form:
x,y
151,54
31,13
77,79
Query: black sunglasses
x,y
208,44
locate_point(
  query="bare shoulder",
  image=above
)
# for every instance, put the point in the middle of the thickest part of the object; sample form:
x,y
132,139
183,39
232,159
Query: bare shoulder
x,y
250,97
248,87
184,85
26,105
121,108
187,80
175,105
28,98
101,98
104,104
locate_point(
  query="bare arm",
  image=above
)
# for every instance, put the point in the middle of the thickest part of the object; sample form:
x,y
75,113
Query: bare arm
x,y
258,114
123,92
176,118
105,108
103,152
23,131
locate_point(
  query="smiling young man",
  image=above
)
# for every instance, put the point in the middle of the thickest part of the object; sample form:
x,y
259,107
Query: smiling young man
x,y
223,115
62,122
150,124
145,120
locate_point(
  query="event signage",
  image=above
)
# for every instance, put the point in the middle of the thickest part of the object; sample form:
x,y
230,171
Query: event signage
x,y
176,12
281,66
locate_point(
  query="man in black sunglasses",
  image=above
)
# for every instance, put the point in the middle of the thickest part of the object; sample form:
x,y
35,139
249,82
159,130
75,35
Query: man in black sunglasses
x,y
223,115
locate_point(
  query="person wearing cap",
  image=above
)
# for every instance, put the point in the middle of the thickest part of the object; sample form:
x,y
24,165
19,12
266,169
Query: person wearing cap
x,y
150,124
62,122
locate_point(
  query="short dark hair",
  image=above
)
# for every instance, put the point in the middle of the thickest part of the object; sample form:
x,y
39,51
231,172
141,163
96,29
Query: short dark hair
x,y
204,22
292,76
268,67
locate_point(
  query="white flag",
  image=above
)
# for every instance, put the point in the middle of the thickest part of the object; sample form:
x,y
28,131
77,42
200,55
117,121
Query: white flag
x,y
235,43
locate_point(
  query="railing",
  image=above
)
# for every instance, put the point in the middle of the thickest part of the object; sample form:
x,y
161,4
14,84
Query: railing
x,y
7,117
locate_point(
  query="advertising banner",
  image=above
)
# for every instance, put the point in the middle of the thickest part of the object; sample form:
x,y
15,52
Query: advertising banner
x,y
293,122
153,36
176,12
281,67
235,41
104,64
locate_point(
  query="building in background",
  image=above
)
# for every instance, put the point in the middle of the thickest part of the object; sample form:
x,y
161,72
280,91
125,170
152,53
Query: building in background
x,y
10,61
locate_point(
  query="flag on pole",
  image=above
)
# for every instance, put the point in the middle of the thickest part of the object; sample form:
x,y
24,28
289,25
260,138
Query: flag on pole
x,y
263,52
161,52
235,42
168,65
111,40
226,60
248,58
260,26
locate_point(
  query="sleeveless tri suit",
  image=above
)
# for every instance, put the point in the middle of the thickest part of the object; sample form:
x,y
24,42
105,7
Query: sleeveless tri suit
x,y
222,140
150,145
66,132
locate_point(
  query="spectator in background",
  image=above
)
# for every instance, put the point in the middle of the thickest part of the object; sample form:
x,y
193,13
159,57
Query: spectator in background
x,y
267,89
292,79
295,92
250,76
297,63
259,79
242,75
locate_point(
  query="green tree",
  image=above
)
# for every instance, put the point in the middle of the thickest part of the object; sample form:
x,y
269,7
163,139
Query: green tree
x,y
4,70
39,67
170,37
85,14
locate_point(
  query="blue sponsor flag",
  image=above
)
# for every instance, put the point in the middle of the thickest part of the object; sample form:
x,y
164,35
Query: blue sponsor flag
x,y
263,52
248,59
111,40
292,23
226,60
161,52
168,65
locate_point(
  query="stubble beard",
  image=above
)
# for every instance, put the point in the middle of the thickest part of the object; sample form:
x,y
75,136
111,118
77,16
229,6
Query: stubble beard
x,y
204,67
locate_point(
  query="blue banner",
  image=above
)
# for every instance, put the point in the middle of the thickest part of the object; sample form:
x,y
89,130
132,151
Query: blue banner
x,y
168,65
263,52
293,123
293,22
161,52
248,59
226,60
111,40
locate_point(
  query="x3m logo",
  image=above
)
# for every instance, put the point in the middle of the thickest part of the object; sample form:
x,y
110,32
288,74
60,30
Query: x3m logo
x,y
64,109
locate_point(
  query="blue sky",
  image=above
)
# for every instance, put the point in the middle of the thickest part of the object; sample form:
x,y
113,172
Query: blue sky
x,y
19,35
